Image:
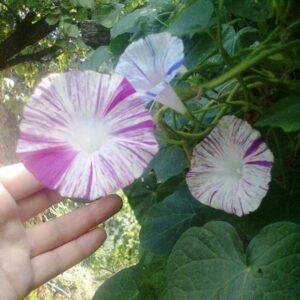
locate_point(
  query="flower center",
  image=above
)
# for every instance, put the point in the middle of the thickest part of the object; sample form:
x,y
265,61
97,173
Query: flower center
x,y
234,168
88,136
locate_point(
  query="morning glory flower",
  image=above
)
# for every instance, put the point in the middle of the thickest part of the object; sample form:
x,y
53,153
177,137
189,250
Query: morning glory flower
x,y
150,64
231,168
86,134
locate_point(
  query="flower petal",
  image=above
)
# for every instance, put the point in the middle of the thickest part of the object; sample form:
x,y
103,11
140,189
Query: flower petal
x,y
85,134
231,168
169,98
151,63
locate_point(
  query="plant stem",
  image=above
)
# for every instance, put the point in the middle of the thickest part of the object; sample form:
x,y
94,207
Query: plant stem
x,y
186,152
247,63
171,141
197,136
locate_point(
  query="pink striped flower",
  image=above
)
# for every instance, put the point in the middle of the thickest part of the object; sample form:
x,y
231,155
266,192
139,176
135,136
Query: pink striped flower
x,y
150,64
231,168
86,134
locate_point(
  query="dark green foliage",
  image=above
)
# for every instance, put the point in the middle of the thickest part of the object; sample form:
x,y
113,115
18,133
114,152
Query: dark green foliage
x,y
163,163
285,114
193,18
242,58
211,263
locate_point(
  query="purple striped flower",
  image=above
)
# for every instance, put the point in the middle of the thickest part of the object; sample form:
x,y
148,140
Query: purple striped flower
x,y
85,134
150,64
231,168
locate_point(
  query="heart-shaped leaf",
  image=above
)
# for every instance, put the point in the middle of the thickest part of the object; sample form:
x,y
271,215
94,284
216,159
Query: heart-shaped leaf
x,y
210,263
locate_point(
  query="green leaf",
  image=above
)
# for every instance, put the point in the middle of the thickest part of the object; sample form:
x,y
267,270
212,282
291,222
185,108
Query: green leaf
x,y
70,30
121,286
144,281
153,279
87,3
230,40
192,19
247,36
167,220
278,205
119,44
168,187
234,41
141,196
255,10
108,15
97,58
202,47
285,114
128,23
168,162
52,19
210,263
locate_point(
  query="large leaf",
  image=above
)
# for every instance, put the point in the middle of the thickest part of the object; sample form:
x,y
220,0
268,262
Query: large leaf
x,y
285,114
255,10
169,187
70,30
210,263
234,41
167,220
142,195
119,44
128,23
121,286
144,281
87,3
278,205
168,162
108,15
192,19
202,47
97,58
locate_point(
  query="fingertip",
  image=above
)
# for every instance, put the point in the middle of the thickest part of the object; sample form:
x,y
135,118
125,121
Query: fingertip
x,y
98,236
102,233
111,204
118,202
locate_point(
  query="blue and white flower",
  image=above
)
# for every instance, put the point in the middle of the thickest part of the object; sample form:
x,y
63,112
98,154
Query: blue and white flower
x,y
150,64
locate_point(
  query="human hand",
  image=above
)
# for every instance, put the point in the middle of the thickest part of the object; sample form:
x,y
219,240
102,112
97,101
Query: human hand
x,y
30,257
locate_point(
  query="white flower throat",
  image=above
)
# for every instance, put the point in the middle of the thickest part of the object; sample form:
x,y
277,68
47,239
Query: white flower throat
x,y
232,166
88,135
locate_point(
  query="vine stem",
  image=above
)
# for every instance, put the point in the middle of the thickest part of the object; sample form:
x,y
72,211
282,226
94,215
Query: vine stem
x,y
187,153
238,69
196,136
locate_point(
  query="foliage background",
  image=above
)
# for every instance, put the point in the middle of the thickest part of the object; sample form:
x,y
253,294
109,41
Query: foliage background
x,y
241,57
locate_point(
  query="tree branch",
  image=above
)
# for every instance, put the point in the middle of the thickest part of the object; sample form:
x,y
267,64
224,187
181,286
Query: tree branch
x,y
26,34
36,56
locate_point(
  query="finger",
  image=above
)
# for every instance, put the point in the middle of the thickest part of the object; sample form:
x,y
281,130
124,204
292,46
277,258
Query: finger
x,y
19,182
8,208
37,203
52,263
50,235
